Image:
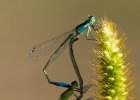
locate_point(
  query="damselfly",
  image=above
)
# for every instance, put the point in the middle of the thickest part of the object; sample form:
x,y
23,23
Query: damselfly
x,y
54,47
71,89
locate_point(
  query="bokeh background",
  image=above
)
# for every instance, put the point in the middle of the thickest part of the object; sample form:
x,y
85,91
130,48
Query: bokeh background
x,y
24,23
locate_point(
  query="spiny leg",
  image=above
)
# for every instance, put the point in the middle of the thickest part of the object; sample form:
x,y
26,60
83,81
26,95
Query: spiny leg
x,y
85,88
89,33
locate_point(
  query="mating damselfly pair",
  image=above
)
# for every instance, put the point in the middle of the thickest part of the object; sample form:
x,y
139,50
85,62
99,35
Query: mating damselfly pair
x,y
54,47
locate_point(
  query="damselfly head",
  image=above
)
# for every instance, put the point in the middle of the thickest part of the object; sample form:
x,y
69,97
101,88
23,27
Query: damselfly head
x,y
91,19
74,84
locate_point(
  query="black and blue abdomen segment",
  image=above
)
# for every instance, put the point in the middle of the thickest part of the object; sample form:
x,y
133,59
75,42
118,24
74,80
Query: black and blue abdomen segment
x,y
62,84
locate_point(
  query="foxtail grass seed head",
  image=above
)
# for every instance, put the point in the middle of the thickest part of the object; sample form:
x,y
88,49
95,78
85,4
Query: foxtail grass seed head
x,y
111,68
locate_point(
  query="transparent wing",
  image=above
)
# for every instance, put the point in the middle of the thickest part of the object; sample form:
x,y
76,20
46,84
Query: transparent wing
x,y
58,51
46,48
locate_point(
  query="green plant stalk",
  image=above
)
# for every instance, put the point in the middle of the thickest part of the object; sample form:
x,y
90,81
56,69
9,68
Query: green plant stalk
x,y
113,82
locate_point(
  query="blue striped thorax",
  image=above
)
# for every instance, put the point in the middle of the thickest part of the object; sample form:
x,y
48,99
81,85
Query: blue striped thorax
x,y
81,27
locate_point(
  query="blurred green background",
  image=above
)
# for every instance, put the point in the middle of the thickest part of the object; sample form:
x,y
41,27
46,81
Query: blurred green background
x,y
24,23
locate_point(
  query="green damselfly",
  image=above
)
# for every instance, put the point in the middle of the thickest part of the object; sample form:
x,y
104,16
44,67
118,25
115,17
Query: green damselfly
x,y
72,88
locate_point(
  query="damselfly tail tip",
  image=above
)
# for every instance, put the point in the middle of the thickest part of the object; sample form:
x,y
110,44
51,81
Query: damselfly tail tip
x,y
96,26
